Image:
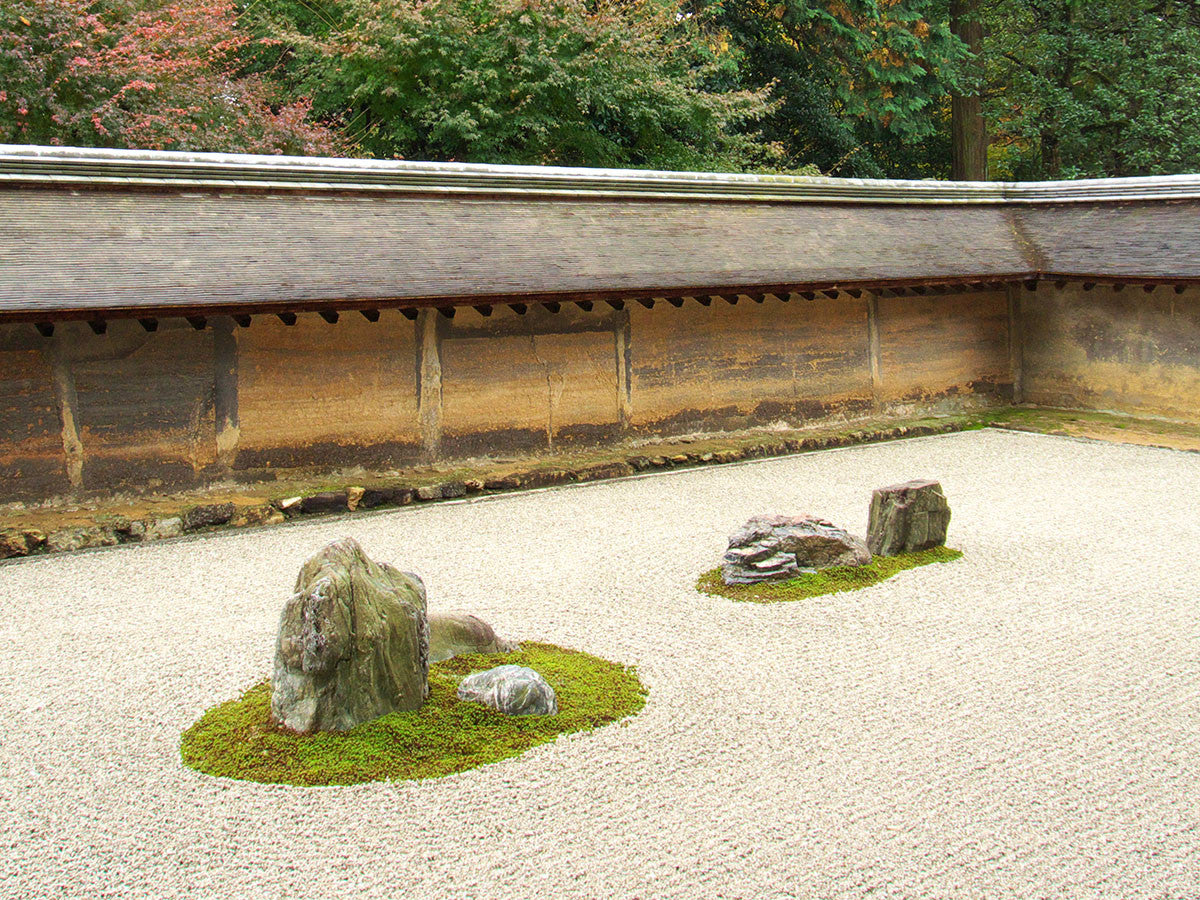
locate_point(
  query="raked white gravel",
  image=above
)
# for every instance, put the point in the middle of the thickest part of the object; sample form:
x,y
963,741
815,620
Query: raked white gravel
x,y
1024,722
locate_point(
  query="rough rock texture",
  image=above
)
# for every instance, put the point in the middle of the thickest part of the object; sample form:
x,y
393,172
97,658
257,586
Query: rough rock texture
x,y
456,633
324,502
513,690
14,542
453,489
775,548
262,514
208,515
67,539
160,529
907,517
353,643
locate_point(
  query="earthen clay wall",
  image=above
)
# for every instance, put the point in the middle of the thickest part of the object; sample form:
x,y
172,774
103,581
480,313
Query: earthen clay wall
x,y
1125,351
84,411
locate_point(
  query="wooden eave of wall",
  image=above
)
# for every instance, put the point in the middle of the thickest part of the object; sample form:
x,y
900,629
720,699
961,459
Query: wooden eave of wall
x,y
81,240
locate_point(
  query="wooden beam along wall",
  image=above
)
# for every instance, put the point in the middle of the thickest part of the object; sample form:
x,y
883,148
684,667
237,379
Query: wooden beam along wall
x,y
243,318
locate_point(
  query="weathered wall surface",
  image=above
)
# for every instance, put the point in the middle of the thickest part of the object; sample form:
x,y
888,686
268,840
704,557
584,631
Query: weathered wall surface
x,y
1127,351
316,393
557,389
144,401
935,348
95,412
723,365
32,460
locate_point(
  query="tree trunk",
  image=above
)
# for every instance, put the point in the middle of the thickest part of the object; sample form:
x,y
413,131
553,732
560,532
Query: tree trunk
x,y
968,128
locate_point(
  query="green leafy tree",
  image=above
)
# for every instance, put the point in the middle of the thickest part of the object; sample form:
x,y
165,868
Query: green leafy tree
x,y
862,84
564,82
1102,88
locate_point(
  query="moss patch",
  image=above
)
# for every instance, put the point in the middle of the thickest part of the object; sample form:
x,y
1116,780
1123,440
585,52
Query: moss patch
x,y
237,740
825,581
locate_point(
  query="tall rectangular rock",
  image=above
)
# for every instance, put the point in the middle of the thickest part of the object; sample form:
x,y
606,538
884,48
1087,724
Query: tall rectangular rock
x,y
907,517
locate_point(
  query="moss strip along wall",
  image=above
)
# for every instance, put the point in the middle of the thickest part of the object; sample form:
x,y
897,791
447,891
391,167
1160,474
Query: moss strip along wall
x,y
179,405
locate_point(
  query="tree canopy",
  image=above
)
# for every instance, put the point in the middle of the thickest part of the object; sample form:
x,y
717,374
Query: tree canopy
x,y
118,73
1103,88
563,82
1049,88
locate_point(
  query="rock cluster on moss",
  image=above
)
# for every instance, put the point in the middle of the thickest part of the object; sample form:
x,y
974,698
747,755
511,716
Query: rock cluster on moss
x,y
823,581
904,519
237,740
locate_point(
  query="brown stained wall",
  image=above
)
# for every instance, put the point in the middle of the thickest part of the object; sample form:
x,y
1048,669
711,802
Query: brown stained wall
x,y
180,405
941,347
1126,351
316,393
734,365
145,402
532,390
31,445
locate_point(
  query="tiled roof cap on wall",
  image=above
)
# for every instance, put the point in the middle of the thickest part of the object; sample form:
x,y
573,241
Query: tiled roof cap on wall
x,y
102,234
70,165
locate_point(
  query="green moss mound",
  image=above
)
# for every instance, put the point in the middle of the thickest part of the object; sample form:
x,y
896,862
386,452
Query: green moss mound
x,y
825,581
237,740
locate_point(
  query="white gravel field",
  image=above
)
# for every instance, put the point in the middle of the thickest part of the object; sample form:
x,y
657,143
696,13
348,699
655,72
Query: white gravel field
x,y
1023,723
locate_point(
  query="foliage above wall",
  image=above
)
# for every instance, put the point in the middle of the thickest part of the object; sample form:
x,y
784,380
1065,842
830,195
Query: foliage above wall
x,y
520,81
843,87
1103,88
120,73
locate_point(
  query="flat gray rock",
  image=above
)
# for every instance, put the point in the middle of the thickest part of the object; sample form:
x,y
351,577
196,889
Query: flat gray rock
x,y
908,517
353,643
455,633
513,690
776,548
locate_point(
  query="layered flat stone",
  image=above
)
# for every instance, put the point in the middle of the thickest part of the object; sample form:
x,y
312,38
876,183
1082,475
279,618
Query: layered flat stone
x,y
776,548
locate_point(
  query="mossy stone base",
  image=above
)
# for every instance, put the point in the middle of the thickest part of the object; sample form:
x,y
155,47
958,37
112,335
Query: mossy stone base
x,y
823,581
446,735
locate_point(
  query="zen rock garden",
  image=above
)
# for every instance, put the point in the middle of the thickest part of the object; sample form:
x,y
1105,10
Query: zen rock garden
x,y
369,684
356,640
904,518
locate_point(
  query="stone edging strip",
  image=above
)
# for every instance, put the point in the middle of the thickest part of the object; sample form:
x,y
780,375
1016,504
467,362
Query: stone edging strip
x,y
207,517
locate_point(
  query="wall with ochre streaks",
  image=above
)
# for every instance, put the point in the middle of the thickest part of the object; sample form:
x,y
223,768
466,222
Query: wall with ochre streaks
x,y
1126,351
85,412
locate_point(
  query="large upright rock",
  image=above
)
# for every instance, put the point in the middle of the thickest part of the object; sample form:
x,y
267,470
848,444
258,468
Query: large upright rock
x,y
455,633
908,517
775,548
353,643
